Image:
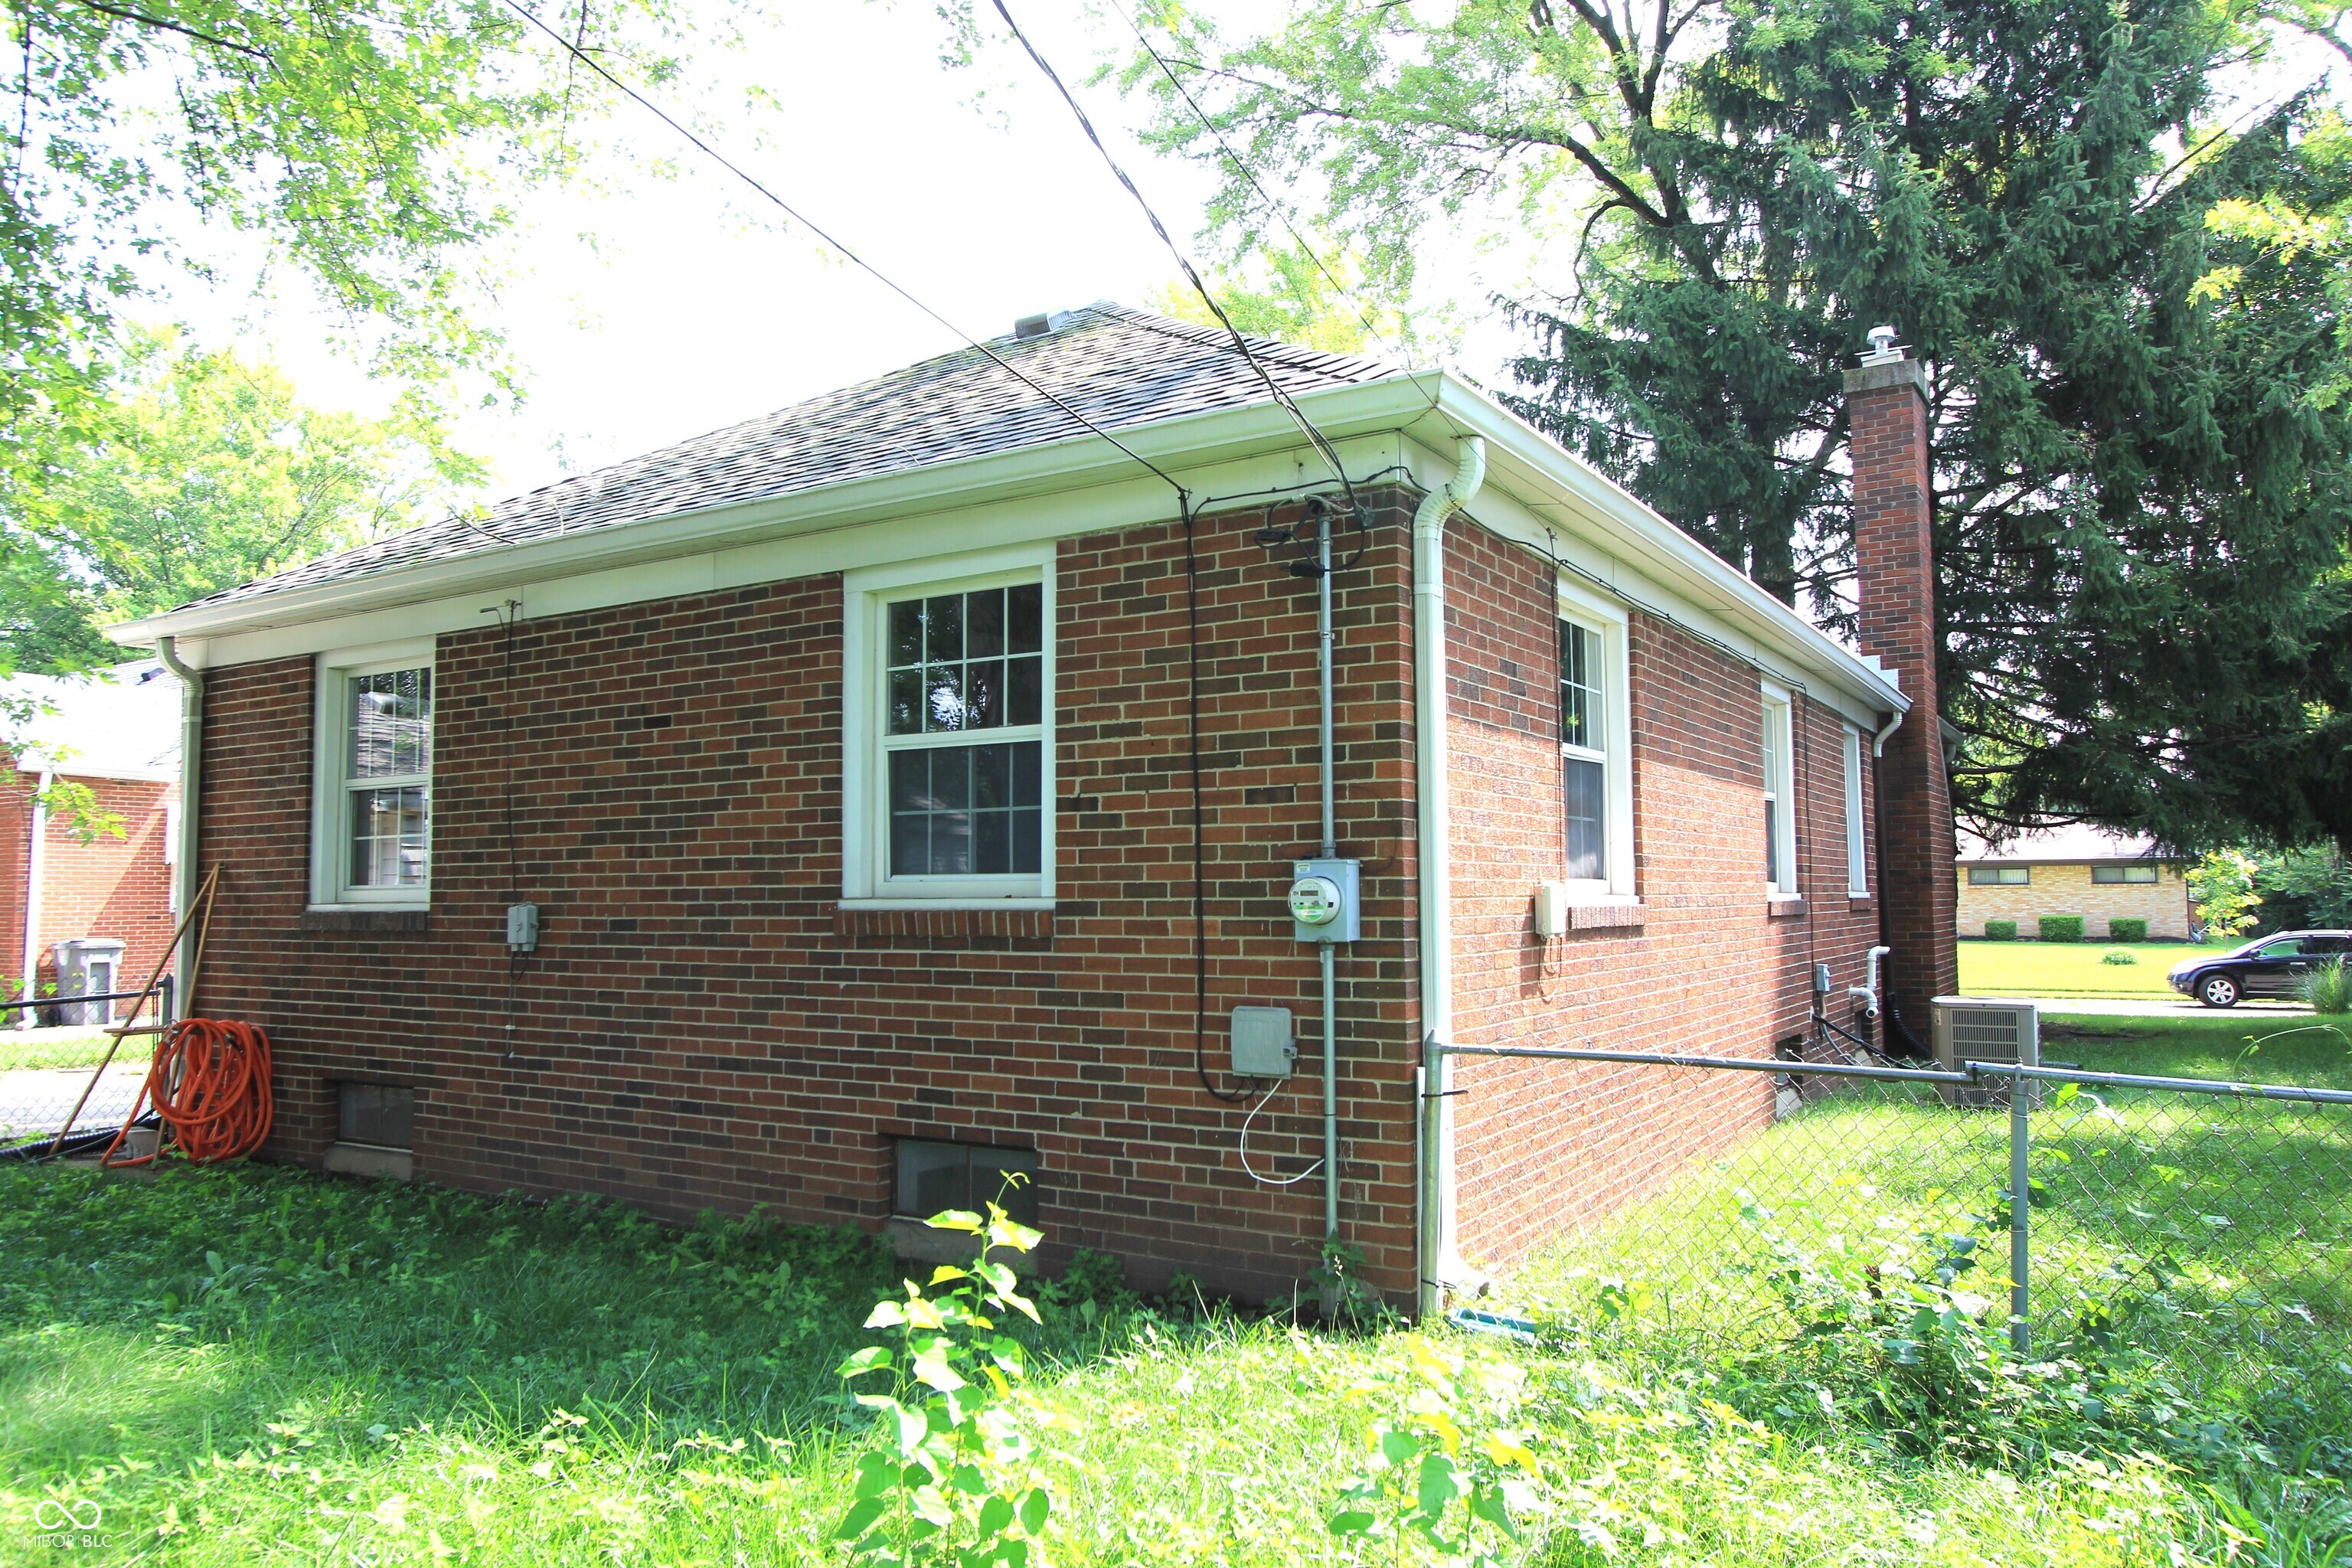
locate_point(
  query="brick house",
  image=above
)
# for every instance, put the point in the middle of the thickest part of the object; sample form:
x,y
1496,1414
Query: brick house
x,y
117,734
908,786
2078,870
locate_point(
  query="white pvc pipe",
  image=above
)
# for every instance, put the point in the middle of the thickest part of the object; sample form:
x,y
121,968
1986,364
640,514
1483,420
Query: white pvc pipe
x,y
192,748
1438,1260
36,861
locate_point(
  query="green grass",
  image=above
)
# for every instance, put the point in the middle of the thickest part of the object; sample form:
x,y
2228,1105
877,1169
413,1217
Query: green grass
x,y
257,1366
2069,968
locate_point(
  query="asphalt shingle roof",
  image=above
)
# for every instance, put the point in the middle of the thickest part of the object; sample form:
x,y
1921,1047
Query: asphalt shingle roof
x,y
1118,367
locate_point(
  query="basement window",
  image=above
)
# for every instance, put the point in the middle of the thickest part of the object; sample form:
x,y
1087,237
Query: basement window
x,y
381,1115
935,1177
948,732
2112,874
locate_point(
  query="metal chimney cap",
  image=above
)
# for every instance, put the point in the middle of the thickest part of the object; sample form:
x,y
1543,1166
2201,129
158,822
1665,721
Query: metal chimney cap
x,y
1033,326
1882,347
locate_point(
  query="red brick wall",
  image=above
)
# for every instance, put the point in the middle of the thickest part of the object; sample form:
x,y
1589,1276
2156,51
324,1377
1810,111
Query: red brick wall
x,y
119,888
1895,588
702,1028
1540,1145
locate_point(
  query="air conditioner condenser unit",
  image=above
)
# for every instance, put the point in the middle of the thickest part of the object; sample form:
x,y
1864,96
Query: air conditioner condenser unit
x,y
1982,1029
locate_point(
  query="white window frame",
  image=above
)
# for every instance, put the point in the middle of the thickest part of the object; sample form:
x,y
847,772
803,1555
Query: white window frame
x,y
1606,619
864,771
330,886
1857,836
1780,708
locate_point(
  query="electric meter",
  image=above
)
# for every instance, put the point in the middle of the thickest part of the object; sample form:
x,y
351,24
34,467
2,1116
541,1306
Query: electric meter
x,y
1324,900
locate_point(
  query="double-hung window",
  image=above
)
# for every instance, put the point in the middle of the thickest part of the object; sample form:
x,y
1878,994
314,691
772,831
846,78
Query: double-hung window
x,y
1596,760
1779,795
948,786
1857,838
371,833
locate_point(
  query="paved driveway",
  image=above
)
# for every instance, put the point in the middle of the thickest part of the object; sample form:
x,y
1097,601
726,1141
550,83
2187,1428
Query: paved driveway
x,y
38,1099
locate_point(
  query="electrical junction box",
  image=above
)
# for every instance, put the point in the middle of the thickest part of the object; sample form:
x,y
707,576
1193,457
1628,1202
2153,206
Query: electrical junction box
x,y
1327,901
1552,909
1262,1043
523,928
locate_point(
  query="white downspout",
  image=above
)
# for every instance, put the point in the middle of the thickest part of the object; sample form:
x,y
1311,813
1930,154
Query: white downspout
x,y
1878,742
36,862
1438,1262
192,740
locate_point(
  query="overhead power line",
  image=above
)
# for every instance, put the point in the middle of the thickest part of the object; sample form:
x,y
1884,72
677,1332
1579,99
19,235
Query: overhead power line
x,y
1307,427
1241,167
715,156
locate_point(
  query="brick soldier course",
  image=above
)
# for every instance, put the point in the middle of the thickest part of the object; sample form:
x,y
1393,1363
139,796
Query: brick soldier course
x,y
711,1020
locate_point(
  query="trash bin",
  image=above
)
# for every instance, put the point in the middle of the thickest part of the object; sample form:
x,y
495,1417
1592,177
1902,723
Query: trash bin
x,y
88,966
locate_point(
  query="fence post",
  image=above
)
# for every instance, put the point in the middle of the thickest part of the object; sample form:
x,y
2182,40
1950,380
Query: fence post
x,y
2021,1191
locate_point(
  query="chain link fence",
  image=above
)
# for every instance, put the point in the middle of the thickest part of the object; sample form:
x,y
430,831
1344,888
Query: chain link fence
x,y
2207,1223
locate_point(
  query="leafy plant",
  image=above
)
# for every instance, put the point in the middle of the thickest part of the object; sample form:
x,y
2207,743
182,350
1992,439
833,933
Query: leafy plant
x,y
2222,887
1430,1478
2125,928
2000,930
2062,928
2329,986
953,1474
2119,956
1347,1301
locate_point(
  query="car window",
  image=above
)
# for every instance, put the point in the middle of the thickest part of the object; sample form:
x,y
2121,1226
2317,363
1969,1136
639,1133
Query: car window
x,y
2285,947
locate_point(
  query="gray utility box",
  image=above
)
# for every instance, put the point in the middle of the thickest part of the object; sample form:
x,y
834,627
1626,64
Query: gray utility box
x,y
88,966
1263,1044
1983,1029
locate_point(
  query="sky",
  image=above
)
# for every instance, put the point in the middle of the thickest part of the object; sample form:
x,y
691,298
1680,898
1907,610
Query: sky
x,y
670,307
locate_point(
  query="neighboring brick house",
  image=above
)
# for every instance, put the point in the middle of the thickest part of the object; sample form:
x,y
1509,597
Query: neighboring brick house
x,y
117,734
2076,870
848,757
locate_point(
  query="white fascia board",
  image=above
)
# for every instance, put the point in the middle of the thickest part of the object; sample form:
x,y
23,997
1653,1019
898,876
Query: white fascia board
x,y
827,546
1605,532
1192,449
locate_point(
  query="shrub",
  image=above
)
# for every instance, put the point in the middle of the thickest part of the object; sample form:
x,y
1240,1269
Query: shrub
x,y
2123,930
2118,955
2062,928
2329,987
2000,930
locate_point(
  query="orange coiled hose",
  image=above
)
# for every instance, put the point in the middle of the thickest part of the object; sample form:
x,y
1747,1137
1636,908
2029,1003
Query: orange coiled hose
x,y
210,1085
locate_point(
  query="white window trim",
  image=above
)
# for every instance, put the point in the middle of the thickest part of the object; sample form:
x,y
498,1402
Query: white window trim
x,y
1780,708
864,771
330,800
1857,836
1608,620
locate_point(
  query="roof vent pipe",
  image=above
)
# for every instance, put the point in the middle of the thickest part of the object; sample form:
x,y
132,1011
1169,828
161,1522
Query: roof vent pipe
x,y
1439,1264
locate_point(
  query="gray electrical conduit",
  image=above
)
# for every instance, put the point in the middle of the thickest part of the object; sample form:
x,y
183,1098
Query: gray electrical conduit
x,y
1438,1263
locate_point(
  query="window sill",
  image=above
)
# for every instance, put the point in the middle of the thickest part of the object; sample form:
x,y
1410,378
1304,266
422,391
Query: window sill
x,y
949,901
1612,913
329,920
1025,923
370,1160
1784,907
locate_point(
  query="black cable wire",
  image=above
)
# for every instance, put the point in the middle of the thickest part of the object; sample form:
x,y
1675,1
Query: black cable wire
x,y
1307,427
1200,846
1242,169
650,107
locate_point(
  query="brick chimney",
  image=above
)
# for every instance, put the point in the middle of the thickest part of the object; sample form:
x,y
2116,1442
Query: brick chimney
x,y
1918,891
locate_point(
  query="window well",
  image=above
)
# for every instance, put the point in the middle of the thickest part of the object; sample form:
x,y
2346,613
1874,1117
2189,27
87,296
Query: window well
x,y
382,1115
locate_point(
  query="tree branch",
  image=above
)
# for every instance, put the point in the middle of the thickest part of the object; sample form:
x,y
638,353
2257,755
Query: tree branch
x,y
169,25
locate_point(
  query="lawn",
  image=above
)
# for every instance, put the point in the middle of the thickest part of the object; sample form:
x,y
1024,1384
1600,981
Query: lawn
x,y
2069,968
69,1049
253,1366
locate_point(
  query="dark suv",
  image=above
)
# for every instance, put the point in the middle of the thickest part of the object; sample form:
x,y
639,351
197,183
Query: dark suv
x,y
2266,966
